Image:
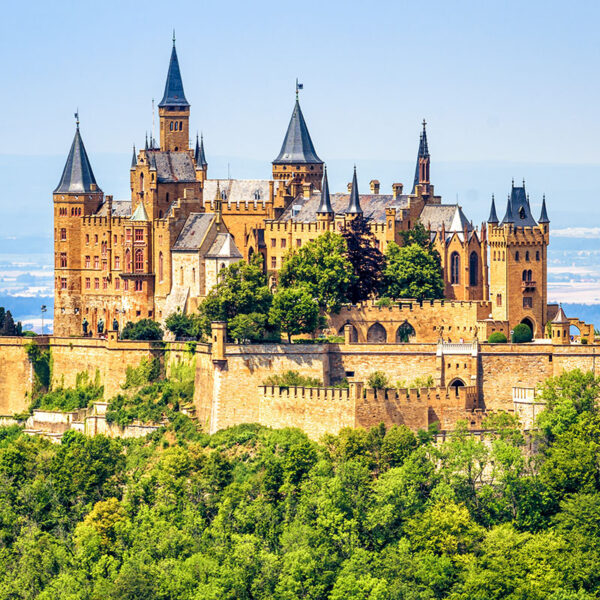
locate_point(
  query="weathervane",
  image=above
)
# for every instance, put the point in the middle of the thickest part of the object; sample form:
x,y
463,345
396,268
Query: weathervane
x,y
299,86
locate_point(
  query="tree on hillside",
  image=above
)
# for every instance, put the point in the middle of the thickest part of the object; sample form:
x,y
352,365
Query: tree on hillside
x,y
295,311
182,325
411,272
366,259
145,329
242,290
323,267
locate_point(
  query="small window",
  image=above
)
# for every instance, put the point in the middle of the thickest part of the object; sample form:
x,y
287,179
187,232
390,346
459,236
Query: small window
x,y
537,255
522,213
104,284
517,256
454,268
273,262
115,239
527,301
139,235
96,283
273,242
298,242
283,242
63,283
96,262
87,262
128,235
139,286
117,262
87,238
139,260
63,259
63,235
180,125
96,239
527,256
126,285
498,299
257,195
117,284
87,283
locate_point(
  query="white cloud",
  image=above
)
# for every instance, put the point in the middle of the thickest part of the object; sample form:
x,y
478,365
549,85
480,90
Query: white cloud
x,y
577,232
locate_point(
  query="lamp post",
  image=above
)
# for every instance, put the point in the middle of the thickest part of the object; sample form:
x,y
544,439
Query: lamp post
x,y
44,309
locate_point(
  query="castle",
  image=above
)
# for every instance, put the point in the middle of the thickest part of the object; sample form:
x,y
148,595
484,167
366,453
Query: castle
x,y
162,250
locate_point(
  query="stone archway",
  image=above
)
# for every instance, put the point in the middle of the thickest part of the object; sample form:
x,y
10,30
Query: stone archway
x,y
353,335
527,321
404,333
455,384
377,334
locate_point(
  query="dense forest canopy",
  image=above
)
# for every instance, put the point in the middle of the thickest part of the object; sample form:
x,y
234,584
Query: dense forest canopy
x,y
255,513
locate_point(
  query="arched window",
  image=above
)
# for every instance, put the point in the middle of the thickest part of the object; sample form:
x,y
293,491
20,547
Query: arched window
x,y
454,268
176,125
160,266
171,125
537,255
223,195
127,261
527,255
257,195
404,333
527,275
141,182
139,260
180,125
473,268
377,334
167,197
517,256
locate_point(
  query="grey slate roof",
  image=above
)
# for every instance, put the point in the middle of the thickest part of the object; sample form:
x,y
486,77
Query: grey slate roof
x,y
237,191
77,177
423,153
297,146
493,218
174,94
134,159
194,231
224,247
172,167
325,203
354,202
520,211
120,208
450,215
304,210
544,214
199,155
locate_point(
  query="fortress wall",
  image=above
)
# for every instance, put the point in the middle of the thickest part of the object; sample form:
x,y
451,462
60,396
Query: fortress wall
x,y
16,375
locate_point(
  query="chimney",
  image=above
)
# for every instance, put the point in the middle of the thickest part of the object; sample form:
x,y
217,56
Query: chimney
x,y
93,187
397,189
306,189
374,185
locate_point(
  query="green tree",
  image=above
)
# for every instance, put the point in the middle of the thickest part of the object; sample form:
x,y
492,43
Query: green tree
x,y
182,325
412,272
145,329
323,267
295,311
251,327
8,326
365,257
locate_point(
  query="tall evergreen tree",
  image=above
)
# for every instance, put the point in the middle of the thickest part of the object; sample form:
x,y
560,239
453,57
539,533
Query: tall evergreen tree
x,y
8,326
366,259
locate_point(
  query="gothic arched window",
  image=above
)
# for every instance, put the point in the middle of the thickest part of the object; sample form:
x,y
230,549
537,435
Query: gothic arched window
x,y
127,261
160,266
473,268
454,268
139,260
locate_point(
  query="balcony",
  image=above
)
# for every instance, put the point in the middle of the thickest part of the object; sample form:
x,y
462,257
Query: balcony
x,y
528,285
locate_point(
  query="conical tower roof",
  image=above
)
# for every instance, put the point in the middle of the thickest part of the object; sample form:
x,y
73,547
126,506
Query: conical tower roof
x,y
174,94
508,217
140,213
544,214
134,159
199,155
297,146
354,204
325,204
560,316
77,177
493,218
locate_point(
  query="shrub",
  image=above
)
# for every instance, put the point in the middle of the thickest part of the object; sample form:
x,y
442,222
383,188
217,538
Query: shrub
x,y
182,325
584,341
378,380
522,334
70,399
497,338
292,379
146,329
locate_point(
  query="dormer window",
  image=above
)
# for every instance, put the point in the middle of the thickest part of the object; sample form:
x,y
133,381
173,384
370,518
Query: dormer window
x,y
223,195
257,195
522,214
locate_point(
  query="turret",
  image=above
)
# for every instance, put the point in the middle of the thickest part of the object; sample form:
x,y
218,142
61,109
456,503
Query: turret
x,y
354,203
493,218
174,110
560,328
325,211
200,159
423,163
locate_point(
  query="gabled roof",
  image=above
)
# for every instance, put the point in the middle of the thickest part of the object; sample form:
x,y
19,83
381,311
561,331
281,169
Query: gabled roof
x,y
194,231
236,191
174,94
297,146
224,247
120,208
325,204
560,316
423,153
171,167
354,203
140,214
451,216
77,177
199,155
520,211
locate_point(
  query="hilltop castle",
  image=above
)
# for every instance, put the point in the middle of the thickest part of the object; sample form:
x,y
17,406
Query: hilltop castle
x,y
164,247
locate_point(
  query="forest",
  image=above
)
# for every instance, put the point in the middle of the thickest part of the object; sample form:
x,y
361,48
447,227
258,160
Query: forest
x,y
257,513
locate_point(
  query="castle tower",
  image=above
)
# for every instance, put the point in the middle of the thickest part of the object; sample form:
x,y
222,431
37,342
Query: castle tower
x,y
422,166
76,196
297,162
174,110
518,263
560,328
325,214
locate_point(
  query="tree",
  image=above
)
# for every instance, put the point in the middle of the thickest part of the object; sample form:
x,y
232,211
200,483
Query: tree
x,y
8,325
522,334
366,259
411,272
420,236
295,311
497,338
182,325
242,290
250,327
323,267
145,329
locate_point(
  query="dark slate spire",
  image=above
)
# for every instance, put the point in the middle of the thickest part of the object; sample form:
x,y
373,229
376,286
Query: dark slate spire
x,y
297,146
199,155
325,204
423,153
174,94
77,177
508,217
544,215
134,159
354,204
493,219
146,145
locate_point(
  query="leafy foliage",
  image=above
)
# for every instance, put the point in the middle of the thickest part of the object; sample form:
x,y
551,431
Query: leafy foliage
x,y
145,329
295,311
322,266
412,272
378,380
366,260
183,326
70,399
292,378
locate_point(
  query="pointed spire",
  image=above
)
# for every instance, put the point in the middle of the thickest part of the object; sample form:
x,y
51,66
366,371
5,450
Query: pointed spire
x,y
325,204
493,218
354,204
297,146
77,176
544,214
199,155
140,213
146,144
423,153
174,94
508,217
134,159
